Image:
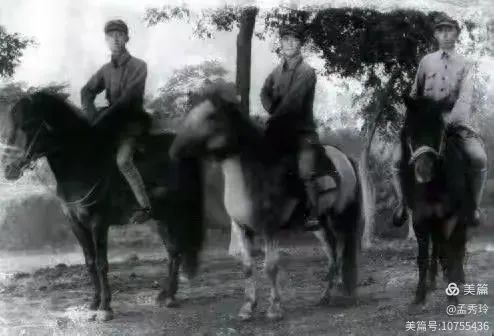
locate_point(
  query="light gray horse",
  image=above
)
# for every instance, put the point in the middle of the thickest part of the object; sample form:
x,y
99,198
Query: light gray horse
x,y
260,201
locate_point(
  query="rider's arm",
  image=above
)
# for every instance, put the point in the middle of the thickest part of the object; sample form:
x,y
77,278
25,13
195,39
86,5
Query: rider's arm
x,y
462,109
134,90
93,87
301,90
267,94
418,84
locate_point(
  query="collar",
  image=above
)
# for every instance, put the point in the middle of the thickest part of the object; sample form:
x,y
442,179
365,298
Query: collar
x,y
118,61
443,54
293,63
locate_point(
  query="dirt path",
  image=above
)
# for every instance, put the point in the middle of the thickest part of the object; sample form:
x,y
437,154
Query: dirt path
x,y
50,301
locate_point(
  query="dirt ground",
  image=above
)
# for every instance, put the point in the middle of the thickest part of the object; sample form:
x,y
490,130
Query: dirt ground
x,y
45,293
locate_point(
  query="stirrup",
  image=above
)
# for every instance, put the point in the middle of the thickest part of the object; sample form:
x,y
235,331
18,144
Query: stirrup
x,y
141,215
312,222
474,219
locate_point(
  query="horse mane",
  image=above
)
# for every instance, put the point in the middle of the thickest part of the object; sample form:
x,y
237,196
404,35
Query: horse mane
x,y
223,96
248,132
58,112
423,114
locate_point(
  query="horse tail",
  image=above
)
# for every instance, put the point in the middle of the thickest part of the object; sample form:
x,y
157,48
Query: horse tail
x,y
361,201
356,220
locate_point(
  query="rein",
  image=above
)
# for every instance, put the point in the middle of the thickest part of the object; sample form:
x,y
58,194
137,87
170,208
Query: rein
x,y
415,154
85,197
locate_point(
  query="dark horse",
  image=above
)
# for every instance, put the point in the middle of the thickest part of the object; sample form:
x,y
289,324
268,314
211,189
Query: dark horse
x,y
93,193
260,201
436,189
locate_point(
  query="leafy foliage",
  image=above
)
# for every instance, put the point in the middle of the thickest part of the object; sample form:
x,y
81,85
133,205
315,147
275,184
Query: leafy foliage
x,y
205,22
382,49
172,101
11,49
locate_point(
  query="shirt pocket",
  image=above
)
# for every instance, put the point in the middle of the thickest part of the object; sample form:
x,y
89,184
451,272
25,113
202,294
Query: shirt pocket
x,y
430,79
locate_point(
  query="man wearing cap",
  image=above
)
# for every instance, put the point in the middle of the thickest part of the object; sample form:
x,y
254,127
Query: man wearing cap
x,y
288,96
123,79
443,75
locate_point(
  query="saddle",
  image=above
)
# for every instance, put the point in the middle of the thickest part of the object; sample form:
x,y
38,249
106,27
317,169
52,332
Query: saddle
x,y
326,177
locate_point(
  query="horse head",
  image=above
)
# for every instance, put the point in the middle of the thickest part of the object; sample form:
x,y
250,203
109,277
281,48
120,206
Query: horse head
x,y
424,136
209,126
33,122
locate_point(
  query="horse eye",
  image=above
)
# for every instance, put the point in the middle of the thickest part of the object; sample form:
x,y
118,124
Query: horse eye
x,y
212,117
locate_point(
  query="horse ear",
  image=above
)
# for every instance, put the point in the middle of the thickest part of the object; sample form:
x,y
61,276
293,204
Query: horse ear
x,y
409,101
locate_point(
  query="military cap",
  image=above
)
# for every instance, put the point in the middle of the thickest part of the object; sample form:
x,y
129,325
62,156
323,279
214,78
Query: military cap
x,y
295,30
444,20
117,25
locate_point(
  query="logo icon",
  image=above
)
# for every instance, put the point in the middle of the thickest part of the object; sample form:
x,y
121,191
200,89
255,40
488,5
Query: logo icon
x,y
452,289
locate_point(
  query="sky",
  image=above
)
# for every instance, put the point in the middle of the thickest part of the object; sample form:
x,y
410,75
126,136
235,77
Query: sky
x,y
70,43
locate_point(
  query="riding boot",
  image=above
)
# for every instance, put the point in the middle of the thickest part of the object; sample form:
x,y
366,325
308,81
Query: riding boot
x,y
312,193
136,183
401,213
476,180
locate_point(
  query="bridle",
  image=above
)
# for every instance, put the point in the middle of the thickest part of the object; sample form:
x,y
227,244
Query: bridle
x,y
28,160
424,149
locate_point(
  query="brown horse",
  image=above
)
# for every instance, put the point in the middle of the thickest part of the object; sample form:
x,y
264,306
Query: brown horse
x,y
261,201
436,188
93,193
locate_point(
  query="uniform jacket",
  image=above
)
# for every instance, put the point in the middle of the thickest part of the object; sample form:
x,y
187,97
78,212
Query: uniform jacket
x,y
288,96
124,80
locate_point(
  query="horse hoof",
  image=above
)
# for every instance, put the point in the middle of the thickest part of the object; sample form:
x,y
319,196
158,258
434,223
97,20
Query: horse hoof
x,y
93,306
92,317
245,313
170,303
163,300
104,315
245,316
419,300
274,312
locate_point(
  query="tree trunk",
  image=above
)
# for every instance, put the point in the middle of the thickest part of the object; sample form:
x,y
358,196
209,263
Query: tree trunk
x,y
369,188
244,48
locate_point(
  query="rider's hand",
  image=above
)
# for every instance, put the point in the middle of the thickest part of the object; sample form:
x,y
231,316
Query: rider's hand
x,y
451,119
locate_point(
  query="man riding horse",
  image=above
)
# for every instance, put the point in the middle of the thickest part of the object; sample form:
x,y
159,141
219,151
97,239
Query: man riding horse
x,y
441,76
288,96
123,79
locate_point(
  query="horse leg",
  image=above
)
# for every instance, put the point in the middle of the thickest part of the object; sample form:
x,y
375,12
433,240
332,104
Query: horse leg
x,y
460,254
83,235
99,229
328,244
271,267
349,269
433,261
423,239
167,295
411,231
443,260
455,257
245,240
326,247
